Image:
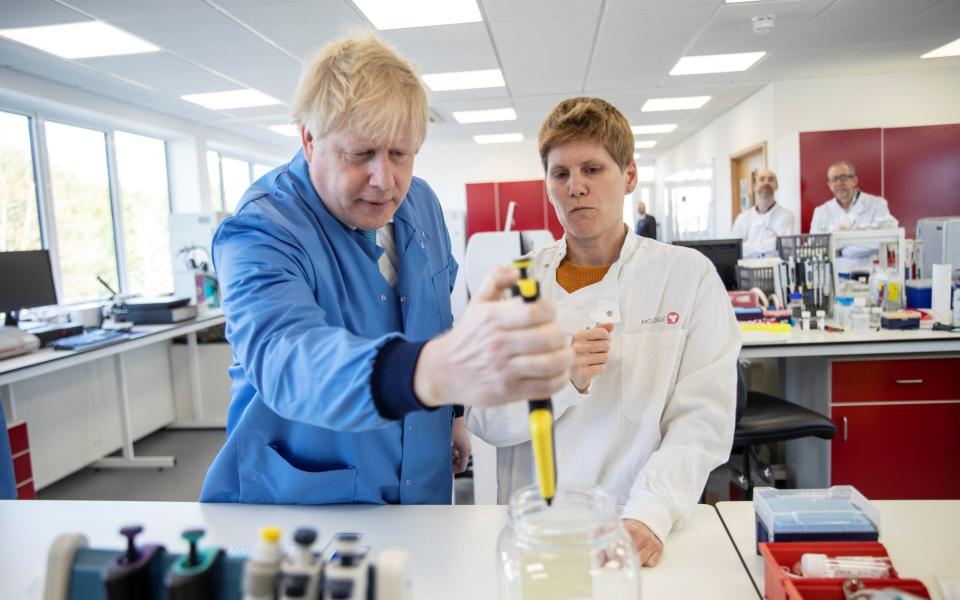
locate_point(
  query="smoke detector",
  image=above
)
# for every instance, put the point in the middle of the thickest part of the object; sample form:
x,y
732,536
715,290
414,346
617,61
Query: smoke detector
x,y
763,25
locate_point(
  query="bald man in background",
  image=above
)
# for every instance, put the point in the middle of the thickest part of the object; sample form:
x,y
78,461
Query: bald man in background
x,y
765,221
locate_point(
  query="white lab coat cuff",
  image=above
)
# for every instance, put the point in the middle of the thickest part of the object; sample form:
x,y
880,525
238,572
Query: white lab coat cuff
x,y
651,510
569,397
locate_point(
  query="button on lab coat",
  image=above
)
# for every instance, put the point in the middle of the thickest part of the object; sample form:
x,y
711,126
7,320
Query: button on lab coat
x,y
654,424
760,231
865,211
307,311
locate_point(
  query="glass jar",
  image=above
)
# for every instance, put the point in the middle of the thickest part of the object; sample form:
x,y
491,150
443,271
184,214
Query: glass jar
x,y
574,549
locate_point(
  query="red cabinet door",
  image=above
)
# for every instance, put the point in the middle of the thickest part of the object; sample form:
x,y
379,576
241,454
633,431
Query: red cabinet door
x,y
898,451
482,208
528,195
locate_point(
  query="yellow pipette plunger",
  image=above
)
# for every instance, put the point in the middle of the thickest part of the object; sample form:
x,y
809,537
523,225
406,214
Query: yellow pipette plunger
x,y
541,411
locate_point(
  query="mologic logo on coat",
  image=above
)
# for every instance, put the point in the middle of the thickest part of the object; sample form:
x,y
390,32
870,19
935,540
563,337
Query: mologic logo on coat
x,y
671,318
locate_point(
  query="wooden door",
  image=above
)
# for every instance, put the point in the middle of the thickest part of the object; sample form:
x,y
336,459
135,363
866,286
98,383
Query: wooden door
x,y
744,166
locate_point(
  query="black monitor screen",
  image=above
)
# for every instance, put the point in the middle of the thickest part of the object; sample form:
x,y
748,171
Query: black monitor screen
x,y
724,255
26,280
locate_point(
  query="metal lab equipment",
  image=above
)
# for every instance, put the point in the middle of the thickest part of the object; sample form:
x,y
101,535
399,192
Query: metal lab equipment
x,y
941,243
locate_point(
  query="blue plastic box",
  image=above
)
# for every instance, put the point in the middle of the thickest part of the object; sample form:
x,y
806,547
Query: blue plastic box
x,y
839,513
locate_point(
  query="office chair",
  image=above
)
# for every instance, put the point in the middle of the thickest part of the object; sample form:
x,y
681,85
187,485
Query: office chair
x,y
765,419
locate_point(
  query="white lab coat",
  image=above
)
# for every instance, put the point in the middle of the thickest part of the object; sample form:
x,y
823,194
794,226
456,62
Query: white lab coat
x,y
760,231
654,424
866,211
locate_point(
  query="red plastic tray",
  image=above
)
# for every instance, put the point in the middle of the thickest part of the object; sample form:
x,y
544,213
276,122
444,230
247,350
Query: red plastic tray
x,y
778,586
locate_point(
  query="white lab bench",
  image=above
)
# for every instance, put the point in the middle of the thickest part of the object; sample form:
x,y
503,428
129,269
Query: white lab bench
x,y
82,405
452,548
922,538
808,364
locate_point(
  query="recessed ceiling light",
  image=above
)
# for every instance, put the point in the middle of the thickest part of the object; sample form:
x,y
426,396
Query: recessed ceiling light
x,y
636,155
485,116
88,39
685,103
231,99
390,14
716,63
646,174
648,129
498,138
951,49
644,143
287,130
464,80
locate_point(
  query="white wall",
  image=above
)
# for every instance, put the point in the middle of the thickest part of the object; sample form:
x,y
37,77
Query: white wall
x,y
780,111
449,167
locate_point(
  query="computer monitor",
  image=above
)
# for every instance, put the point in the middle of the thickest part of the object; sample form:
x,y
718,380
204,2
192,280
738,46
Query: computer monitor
x,y
27,282
724,255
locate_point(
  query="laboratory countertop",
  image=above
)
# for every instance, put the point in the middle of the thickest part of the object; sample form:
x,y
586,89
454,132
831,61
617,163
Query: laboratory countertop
x,y
48,359
922,538
452,548
761,344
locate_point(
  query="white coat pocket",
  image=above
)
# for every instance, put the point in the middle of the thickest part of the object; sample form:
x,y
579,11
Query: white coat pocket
x,y
648,372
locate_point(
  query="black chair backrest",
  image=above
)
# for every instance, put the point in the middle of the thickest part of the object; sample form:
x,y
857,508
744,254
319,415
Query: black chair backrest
x,y
741,389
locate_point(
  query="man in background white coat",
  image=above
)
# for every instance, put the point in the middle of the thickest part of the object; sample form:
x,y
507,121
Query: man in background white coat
x,y
765,221
850,208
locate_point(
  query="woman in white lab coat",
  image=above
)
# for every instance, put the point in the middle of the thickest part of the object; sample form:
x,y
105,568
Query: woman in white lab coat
x,y
649,411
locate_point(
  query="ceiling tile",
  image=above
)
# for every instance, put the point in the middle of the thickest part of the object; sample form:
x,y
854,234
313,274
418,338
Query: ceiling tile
x,y
466,47
18,13
161,71
633,5
847,12
512,10
533,60
186,31
300,25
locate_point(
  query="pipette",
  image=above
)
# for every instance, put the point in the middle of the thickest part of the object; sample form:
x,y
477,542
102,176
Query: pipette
x,y
541,411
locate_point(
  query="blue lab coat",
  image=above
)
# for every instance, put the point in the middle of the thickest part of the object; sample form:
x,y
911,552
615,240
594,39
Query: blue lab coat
x,y
307,311
8,483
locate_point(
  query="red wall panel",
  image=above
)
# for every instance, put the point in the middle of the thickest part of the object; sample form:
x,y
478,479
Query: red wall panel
x,y
553,223
820,149
921,172
529,198
481,208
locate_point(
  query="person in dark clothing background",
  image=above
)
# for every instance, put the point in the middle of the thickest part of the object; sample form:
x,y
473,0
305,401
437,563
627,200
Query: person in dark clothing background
x,y
646,224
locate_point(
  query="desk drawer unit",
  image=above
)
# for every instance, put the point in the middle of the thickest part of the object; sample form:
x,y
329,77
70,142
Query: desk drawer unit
x,y
898,427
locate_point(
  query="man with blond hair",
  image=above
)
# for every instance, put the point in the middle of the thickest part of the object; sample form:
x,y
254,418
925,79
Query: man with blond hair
x,y
336,274
649,408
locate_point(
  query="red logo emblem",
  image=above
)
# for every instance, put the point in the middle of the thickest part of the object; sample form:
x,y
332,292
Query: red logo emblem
x,y
672,318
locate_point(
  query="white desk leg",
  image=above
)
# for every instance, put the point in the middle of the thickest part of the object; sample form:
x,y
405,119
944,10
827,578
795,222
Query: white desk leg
x,y
128,459
10,407
196,394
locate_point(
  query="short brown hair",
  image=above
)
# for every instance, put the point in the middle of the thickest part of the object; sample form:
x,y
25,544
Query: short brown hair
x,y
362,84
592,119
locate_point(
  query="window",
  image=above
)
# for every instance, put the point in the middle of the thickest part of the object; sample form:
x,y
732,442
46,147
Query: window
x,y
145,206
213,172
691,203
236,180
82,211
260,170
19,219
